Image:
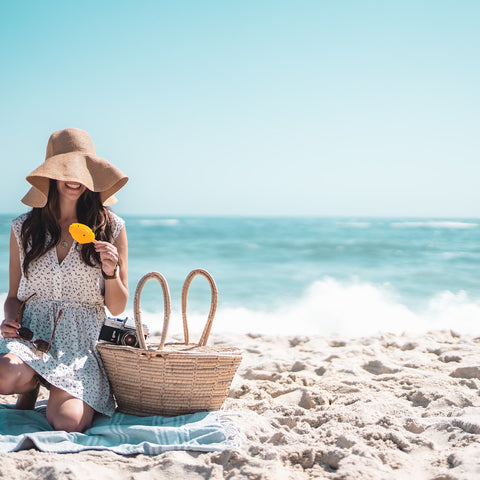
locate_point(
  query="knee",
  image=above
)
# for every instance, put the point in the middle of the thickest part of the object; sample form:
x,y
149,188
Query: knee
x,y
15,375
7,378
6,387
67,413
68,424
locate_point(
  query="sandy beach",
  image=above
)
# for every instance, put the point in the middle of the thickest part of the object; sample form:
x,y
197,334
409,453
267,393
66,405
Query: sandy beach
x,y
380,407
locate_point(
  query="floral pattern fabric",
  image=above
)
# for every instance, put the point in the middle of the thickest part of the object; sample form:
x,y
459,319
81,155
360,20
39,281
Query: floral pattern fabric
x,y
72,363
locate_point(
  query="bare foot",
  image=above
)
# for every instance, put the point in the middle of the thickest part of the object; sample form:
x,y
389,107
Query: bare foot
x,y
27,400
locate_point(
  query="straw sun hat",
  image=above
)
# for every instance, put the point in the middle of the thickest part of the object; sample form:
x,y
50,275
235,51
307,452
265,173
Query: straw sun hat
x,y
71,157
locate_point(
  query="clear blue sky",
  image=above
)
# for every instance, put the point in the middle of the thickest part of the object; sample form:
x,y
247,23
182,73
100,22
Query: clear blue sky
x,y
254,107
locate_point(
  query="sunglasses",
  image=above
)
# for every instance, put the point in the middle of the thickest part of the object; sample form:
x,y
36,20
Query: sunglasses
x,y
26,334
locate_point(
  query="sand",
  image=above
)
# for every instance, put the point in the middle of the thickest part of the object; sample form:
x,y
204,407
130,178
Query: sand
x,y
381,407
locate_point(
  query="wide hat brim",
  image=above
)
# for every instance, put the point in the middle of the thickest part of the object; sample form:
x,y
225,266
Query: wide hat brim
x,y
95,173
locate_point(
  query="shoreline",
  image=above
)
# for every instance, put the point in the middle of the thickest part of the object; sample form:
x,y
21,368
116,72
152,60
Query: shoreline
x,y
383,406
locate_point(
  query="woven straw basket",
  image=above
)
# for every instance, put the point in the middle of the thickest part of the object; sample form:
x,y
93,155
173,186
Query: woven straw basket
x,y
173,378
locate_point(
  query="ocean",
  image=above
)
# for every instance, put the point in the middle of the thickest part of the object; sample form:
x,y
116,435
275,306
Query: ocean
x,y
303,276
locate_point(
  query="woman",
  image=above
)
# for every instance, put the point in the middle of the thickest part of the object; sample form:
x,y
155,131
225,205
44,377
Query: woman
x,y
64,281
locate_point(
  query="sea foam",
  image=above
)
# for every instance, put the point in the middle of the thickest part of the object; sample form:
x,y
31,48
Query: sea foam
x,y
329,307
332,307
434,224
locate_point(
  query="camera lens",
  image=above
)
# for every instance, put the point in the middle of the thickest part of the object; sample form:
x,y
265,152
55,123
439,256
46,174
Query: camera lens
x,y
129,339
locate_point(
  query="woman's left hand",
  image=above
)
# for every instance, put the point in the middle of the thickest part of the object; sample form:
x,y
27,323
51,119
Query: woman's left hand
x,y
108,256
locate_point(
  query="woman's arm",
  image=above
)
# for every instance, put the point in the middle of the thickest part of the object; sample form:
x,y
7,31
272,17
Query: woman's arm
x,y
111,255
9,326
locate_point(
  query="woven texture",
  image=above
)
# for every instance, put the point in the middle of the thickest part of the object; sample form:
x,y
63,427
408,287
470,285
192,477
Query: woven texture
x,y
171,378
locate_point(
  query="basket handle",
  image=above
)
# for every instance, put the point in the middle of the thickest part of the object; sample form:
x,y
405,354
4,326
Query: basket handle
x,y
166,308
213,304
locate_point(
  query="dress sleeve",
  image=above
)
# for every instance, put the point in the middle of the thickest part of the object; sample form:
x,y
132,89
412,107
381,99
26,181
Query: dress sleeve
x,y
17,227
118,224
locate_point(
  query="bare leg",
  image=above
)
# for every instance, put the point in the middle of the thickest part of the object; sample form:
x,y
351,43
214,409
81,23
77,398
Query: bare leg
x,y
27,400
68,413
17,377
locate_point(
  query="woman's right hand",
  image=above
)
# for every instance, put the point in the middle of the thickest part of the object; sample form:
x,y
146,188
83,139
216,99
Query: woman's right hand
x,y
8,328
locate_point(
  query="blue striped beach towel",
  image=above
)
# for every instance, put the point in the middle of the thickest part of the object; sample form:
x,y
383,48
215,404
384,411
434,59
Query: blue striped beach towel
x,y
123,434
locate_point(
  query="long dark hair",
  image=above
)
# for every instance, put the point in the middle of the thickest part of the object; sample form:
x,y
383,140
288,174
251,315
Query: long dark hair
x,y
41,231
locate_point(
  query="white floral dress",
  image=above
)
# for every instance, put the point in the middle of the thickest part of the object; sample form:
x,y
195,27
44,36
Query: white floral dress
x,y
72,363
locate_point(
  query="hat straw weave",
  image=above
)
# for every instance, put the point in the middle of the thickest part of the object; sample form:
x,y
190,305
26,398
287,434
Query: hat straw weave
x,y
71,157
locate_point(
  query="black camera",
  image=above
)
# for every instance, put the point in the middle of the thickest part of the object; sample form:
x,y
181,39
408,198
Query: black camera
x,y
120,332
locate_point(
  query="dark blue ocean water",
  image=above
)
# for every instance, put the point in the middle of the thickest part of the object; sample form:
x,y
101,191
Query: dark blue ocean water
x,y
308,275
